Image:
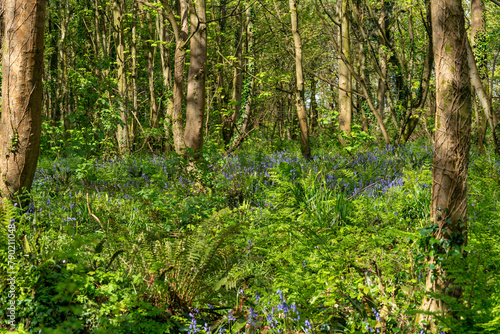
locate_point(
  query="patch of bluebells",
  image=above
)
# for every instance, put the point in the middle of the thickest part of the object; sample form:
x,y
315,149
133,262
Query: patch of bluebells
x,y
376,314
276,317
193,328
381,169
252,317
122,179
369,328
230,316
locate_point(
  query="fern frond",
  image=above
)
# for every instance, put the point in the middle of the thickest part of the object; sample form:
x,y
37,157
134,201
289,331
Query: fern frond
x,y
195,265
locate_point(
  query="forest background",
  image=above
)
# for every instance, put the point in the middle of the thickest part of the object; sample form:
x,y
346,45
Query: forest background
x,y
250,166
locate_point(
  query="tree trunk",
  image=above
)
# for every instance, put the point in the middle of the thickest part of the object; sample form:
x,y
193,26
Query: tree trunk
x,y
180,34
314,106
2,26
237,76
360,100
363,83
167,79
122,134
382,55
345,80
63,67
230,119
419,103
482,96
299,93
478,41
153,117
451,152
134,91
195,97
250,70
21,94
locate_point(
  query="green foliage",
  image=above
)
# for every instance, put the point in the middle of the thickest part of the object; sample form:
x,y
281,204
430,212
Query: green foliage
x,y
136,244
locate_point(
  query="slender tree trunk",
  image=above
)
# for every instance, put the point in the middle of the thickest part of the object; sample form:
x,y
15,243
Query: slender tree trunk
x,y
180,34
63,67
164,51
362,83
195,97
411,124
52,103
222,94
451,151
299,93
230,119
249,69
154,117
314,106
237,75
483,97
382,56
419,103
2,26
167,77
345,77
122,133
134,91
360,100
22,72
478,41
97,36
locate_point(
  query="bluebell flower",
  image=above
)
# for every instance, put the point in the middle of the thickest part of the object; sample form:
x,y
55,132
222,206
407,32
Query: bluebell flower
x,y
193,328
252,317
307,327
230,316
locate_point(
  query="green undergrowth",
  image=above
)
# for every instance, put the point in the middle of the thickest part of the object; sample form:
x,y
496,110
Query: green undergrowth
x,y
251,242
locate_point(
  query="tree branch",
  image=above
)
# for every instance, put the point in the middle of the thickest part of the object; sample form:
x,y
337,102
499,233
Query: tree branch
x,y
496,2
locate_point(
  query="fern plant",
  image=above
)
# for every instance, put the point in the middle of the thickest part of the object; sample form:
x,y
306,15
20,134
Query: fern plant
x,y
192,267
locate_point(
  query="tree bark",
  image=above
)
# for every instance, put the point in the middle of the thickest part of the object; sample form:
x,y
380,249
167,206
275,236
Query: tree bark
x,y
314,106
63,67
134,91
21,94
153,117
382,56
423,91
363,83
167,78
122,133
360,100
195,97
299,76
451,151
482,96
478,41
231,119
237,75
250,65
180,34
345,79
